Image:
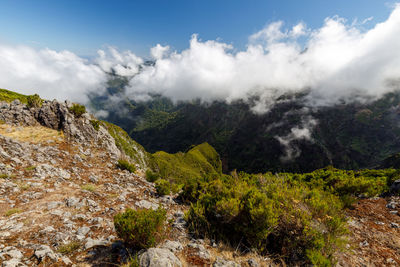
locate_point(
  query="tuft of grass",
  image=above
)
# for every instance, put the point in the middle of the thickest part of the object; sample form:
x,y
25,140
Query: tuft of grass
x,y
3,176
23,186
30,168
12,211
89,187
69,248
125,165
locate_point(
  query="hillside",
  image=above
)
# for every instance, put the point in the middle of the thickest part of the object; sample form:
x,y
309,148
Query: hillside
x,y
66,177
348,136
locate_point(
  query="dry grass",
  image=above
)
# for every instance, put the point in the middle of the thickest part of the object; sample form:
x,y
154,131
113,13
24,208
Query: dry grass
x,y
32,134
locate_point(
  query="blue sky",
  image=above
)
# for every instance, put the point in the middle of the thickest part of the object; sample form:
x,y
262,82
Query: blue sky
x,y
85,26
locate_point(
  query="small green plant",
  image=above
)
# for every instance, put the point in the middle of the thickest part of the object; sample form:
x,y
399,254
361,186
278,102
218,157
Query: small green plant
x,y
163,187
141,228
152,176
34,101
12,211
69,248
89,187
95,124
4,176
125,165
30,168
77,109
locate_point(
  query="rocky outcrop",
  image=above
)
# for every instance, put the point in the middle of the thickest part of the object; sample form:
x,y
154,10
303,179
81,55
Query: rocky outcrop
x,y
57,116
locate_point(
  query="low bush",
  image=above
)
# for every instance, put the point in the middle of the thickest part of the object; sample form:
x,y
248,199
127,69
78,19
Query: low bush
x,y
270,214
152,176
125,165
141,228
163,187
34,101
77,109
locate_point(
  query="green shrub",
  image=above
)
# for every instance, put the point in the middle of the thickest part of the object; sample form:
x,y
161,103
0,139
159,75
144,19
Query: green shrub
x,y
77,109
163,187
142,228
125,165
34,101
95,124
152,176
270,214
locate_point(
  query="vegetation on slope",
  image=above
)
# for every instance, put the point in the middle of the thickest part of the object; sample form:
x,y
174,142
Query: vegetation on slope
x,y
31,100
348,136
125,143
199,161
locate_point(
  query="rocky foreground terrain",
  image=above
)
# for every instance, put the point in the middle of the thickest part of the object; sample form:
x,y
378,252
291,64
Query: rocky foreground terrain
x,y
60,188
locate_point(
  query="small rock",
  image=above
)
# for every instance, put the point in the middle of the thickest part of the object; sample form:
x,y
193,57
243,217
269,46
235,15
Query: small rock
x,y
90,243
144,204
253,263
53,205
93,179
202,252
43,252
83,230
173,246
391,205
394,225
158,257
13,263
66,261
364,244
224,263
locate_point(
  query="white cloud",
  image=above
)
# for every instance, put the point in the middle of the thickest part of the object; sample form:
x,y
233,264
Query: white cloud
x,y
124,64
159,51
336,62
339,61
61,75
